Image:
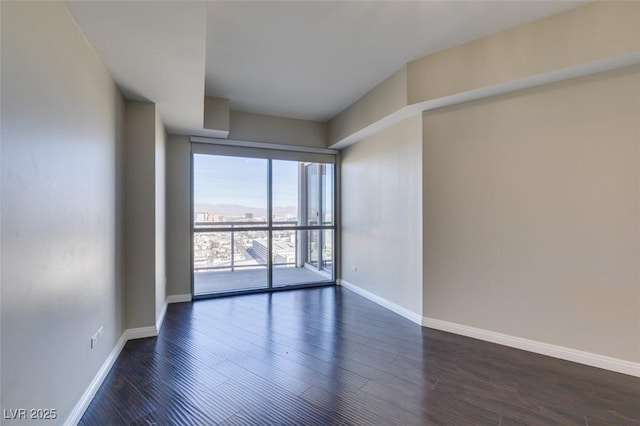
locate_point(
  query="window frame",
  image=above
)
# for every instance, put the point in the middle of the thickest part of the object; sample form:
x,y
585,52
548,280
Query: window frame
x,y
317,156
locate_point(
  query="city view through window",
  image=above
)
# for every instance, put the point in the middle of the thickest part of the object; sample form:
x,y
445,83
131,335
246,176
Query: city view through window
x,y
235,245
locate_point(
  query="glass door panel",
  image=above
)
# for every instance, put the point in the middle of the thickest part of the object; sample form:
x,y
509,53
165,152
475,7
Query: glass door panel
x,y
285,178
230,224
229,191
312,194
313,246
229,261
327,194
327,250
286,267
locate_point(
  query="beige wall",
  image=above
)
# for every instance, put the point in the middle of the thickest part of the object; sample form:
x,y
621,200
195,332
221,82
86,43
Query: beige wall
x,y
381,203
178,215
530,206
144,214
384,99
531,214
247,126
593,32
60,229
216,116
592,38
139,214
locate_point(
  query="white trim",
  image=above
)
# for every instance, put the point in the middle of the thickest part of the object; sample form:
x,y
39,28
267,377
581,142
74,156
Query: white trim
x,y
141,332
179,298
87,396
262,145
410,315
129,334
581,357
587,358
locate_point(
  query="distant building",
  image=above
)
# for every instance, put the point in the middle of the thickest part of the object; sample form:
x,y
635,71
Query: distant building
x,y
248,215
259,247
284,250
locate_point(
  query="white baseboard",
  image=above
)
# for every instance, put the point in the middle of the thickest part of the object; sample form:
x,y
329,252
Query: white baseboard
x,y
141,332
581,357
85,400
129,334
410,315
179,298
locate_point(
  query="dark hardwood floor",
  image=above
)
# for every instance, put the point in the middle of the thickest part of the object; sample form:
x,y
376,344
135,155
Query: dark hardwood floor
x,y
327,356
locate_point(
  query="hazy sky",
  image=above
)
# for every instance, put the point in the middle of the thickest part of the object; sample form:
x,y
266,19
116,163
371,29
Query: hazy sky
x,y
243,181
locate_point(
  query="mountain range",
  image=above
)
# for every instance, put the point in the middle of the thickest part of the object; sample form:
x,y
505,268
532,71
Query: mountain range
x,y
234,210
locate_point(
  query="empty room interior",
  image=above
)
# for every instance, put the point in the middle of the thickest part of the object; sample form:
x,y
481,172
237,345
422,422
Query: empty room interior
x,y
320,213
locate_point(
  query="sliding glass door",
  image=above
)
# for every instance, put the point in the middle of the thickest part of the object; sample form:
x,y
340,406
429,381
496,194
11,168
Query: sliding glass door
x,y
230,200
296,222
261,223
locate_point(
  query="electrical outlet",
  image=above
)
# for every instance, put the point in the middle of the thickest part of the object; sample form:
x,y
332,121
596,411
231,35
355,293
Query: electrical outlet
x,y
96,337
355,268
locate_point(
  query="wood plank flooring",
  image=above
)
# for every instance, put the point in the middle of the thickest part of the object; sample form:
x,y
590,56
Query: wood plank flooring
x,y
327,356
